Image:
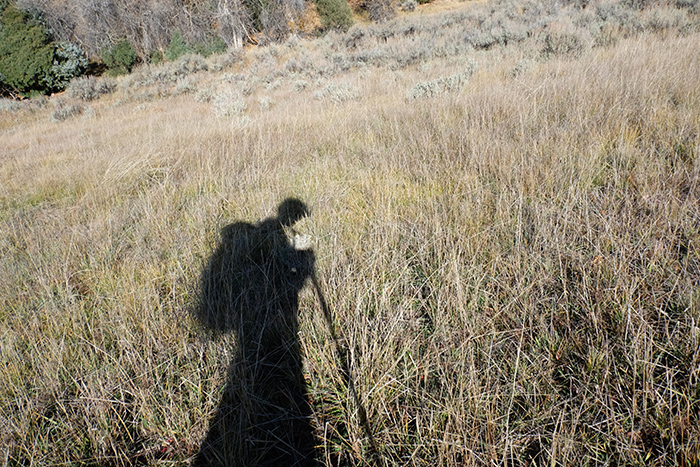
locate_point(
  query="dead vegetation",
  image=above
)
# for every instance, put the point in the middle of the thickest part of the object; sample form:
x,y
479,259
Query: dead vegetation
x,y
512,264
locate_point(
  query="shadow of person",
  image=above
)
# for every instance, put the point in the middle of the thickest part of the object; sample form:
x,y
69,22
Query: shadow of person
x,y
251,287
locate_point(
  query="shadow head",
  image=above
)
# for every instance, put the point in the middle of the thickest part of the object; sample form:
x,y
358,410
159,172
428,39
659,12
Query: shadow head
x,y
290,211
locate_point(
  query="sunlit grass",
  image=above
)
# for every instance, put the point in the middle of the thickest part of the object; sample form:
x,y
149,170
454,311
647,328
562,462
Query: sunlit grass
x,y
513,266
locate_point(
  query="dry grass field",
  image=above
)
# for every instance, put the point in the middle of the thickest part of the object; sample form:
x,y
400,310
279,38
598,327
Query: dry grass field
x,y
505,217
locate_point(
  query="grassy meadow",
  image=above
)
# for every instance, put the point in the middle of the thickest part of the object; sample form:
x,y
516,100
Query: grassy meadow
x,y
505,214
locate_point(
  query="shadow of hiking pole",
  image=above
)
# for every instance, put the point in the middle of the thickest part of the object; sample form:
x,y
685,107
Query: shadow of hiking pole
x,y
344,361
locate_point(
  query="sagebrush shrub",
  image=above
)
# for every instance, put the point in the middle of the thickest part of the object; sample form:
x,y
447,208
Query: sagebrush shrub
x,y
229,103
9,105
187,64
409,5
185,85
300,85
381,10
562,44
106,85
338,93
443,84
66,111
665,18
84,88
265,102
521,67
204,95
693,6
88,88
222,61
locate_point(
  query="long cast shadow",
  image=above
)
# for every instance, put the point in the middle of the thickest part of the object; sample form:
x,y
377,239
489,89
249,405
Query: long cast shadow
x,y
251,287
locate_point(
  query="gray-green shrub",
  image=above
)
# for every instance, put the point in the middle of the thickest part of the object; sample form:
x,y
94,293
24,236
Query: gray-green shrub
x,y
562,44
265,102
338,93
229,103
300,85
521,67
106,85
69,62
88,88
409,5
9,105
84,88
66,111
442,85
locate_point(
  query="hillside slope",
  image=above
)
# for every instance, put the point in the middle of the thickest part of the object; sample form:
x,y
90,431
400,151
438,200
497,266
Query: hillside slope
x,y
504,211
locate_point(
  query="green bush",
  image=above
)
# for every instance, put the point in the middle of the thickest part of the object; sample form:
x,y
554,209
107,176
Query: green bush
x,y
210,47
155,57
334,14
177,48
26,53
120,58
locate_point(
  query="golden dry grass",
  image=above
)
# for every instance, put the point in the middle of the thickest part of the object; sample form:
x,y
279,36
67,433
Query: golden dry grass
x,y
514,267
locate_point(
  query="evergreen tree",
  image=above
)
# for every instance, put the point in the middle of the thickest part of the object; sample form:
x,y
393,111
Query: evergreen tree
x,y
26,53
29,60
